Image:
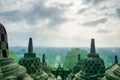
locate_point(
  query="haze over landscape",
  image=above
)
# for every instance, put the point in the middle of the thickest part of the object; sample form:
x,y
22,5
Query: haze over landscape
x,y
64,23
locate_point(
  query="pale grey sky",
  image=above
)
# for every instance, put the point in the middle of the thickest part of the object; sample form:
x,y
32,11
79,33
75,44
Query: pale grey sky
x,y
61,23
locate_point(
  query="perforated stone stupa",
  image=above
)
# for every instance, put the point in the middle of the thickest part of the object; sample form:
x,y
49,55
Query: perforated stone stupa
x,y
61,73
93,66
9,70
33,64
113,73
76,68
46,68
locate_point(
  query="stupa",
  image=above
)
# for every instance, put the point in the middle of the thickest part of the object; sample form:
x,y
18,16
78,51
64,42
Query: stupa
x,y
9,70
113,73
33,64
46,68
61,72
76,68
93,66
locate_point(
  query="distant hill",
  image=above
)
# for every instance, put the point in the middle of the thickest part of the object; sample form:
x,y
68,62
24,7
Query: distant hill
x,y
53,53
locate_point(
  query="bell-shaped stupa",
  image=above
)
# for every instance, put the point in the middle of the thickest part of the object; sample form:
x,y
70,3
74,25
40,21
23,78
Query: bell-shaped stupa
x,y
9,70
33,64
93,66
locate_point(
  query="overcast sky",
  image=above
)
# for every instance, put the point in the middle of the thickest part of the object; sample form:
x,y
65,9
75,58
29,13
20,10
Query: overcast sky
x,y
61,23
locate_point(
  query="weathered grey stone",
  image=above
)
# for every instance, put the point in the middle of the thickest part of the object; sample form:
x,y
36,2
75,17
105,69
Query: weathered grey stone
x,y
93,67
33,64
113,73
9,70
60,71
76,68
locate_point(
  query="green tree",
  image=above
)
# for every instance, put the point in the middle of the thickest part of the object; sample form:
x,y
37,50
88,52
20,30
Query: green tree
x,y
71,57
15,57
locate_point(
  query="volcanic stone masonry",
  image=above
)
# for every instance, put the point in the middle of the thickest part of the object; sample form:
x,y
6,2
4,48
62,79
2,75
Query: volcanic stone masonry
x,y
60,73
46,68
76,68
113,73
33,64
93,66
9,70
